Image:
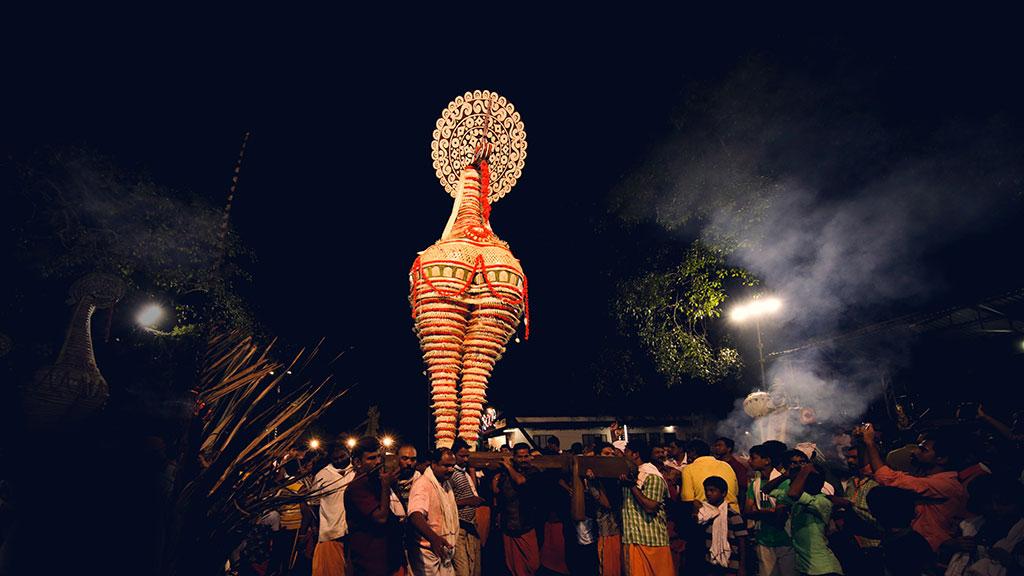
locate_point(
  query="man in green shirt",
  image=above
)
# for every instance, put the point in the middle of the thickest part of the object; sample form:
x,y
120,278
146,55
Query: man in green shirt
x,y
811,511
774,547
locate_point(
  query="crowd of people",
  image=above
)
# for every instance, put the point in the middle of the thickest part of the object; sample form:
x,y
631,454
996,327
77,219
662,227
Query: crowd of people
x,y
947,502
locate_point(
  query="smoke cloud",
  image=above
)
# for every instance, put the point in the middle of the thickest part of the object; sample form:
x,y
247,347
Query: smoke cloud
x,y
835,211
89,214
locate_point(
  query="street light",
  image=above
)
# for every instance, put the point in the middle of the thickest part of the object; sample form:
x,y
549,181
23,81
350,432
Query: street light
x,y
351,443
755,309
150,315
314,443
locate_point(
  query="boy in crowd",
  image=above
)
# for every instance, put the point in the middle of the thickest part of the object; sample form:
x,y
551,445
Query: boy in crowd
x,y
774,547
725,531
904,551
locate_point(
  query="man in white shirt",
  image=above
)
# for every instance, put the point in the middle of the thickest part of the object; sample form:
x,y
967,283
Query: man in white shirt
x,y
407,476
434,514
329,555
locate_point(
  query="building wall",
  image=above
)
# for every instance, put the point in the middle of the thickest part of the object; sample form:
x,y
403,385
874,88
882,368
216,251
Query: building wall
x,y
589,429
590,435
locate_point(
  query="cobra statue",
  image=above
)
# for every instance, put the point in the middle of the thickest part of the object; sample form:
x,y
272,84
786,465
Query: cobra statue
x,y
73,387
468,292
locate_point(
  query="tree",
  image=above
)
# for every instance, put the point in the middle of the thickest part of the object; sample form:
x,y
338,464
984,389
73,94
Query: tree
x,y
668,312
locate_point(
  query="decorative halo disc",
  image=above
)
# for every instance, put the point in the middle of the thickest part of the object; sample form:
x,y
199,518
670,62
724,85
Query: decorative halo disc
x,y
458,132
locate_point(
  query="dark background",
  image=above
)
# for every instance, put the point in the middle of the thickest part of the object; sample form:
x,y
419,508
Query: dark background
x,y
337,193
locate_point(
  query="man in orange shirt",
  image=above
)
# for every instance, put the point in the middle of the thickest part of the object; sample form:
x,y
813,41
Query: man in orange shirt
x,y
943,498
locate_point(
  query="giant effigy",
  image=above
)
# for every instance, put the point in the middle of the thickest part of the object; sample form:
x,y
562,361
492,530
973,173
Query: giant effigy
x,y
467,291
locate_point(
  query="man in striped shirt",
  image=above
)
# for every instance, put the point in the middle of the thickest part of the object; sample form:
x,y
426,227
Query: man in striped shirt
x,y
467,546
644,527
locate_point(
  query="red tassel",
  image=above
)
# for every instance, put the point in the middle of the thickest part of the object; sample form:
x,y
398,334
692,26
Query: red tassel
x,y
526,307
485,191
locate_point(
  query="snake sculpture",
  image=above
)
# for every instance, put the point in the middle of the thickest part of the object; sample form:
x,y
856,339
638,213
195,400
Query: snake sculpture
x,y
468,292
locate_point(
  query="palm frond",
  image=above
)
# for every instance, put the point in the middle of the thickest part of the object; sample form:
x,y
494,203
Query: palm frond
x,y
251,416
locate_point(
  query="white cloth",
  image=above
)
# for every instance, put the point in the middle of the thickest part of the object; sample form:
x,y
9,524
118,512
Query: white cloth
x,y
586,532
961,560
807,448
957,564
396,505
646,469
988,567
432,499
272,519
1014,537
426,563
719,516
429,497
332,482
756,485
776,561
810,449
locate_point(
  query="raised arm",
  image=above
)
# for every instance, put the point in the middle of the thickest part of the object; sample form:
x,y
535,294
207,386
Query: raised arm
x,y
596,490
649,505
751,511
796,487
517,477
773,484
383,511
874,457
1004,430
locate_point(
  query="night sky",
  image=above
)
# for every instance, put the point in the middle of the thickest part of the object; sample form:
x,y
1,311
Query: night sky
x,y
338,194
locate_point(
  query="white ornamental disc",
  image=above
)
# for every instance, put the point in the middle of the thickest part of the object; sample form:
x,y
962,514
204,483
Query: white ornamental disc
x,y
459,130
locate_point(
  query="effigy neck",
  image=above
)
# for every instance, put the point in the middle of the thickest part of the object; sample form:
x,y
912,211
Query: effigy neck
x,y
77,348
470,209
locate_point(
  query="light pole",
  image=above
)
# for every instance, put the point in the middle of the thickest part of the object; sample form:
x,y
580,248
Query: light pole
x,y
755,309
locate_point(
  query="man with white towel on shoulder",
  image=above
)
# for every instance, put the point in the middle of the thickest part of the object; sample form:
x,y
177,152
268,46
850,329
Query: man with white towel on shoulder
x,y
435,515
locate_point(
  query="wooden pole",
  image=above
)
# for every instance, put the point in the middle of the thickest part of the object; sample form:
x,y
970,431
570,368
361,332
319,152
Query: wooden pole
x,y
575,466
579,505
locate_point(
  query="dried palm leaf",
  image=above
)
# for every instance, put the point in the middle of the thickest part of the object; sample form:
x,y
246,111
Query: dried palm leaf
x,y
248,418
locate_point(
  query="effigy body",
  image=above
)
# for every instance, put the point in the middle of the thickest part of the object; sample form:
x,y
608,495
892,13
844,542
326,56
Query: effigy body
x,y
468,294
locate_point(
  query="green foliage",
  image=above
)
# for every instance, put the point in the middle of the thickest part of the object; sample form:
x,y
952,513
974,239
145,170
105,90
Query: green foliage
x,y
616,372
87,214
668,312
